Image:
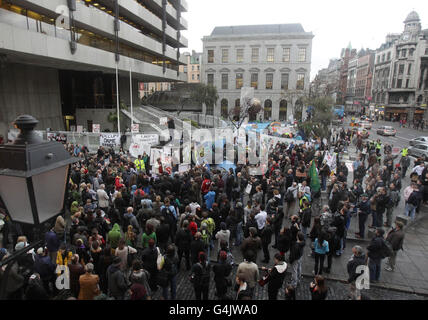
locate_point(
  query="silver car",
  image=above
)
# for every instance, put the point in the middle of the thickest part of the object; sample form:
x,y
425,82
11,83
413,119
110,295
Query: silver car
x,y
419,151
418,140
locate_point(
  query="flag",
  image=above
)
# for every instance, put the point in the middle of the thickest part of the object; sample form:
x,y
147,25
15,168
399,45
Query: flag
x,y
315,181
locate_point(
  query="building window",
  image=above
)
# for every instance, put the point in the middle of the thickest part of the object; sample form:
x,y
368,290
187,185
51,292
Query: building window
x,y
286,55
399,83
268,109
409,70
210,56
270,54
411,52
193,77
224,108
185,69
302,55
378,59
407,83
239,55
210,79
193,68
269,81
239,80
254,80
198,76
255,55
401,69
300,84
389,56
426,51
383,58
403,53
237,103
284,81
398,53
210,110
224,81
283,110
225,55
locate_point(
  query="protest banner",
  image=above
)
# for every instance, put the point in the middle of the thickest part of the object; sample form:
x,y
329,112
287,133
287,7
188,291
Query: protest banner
x,y
142,143
110,140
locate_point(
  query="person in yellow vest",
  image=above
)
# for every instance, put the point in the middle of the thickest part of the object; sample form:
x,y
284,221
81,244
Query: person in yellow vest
x,y
139,164
405,152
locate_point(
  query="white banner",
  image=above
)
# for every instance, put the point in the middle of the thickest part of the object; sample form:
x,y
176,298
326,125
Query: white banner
x,y
142,143
331,161
79,129
163,121
110,140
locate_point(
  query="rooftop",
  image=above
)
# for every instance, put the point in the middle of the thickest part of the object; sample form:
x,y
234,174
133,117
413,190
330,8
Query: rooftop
x,y
258,29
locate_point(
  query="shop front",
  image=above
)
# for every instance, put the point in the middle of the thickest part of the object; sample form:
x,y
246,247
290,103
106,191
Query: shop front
x,y
395,114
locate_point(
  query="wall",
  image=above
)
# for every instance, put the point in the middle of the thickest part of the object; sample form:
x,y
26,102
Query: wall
x,y
26,89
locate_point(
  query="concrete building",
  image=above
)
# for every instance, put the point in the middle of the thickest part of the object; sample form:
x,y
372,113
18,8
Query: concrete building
x,y
351,85
274,59
61,55
405,95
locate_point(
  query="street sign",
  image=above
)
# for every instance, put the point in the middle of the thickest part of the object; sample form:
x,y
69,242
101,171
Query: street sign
x,y
135,128
96,128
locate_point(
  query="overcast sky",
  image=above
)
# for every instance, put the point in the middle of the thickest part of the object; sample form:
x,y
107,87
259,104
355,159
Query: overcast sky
x,y
335,23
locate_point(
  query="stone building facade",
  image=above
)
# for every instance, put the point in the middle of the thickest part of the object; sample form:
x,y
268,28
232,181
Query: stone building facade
x,y
274,59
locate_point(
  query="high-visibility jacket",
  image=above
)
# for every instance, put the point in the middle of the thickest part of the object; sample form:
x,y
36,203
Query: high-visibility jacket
x,y
379,146
404,152
139,164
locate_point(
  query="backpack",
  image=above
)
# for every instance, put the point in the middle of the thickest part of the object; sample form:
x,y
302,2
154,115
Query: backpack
x,y
289,197
386,250
205,275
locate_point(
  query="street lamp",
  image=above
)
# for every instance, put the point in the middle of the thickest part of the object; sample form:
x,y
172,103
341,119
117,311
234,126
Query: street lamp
x,y
33,183
33,175
33,179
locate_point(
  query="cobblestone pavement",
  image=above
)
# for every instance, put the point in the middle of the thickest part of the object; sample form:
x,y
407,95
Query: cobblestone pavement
x,y
337,290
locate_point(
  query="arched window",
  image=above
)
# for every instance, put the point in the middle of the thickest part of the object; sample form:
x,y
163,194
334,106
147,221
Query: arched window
x,y
237,102
283,110
268,109
224,108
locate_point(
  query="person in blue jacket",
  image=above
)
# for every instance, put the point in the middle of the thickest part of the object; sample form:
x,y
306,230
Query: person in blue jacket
x,y
321,249
209,199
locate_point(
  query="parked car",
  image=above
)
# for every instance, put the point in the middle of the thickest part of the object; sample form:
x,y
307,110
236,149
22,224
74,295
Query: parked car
x,y
386,131
419,151
418,140
365,125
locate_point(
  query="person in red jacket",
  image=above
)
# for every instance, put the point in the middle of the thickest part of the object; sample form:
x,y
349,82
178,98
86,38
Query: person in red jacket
x,y
206,185
193,227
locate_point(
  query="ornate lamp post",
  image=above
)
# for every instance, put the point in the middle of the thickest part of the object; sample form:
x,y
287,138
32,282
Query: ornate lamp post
x,y
33,181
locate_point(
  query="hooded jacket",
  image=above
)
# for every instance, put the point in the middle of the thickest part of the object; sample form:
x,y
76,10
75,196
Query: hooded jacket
x,y
277,276
352,265
114,236
116,281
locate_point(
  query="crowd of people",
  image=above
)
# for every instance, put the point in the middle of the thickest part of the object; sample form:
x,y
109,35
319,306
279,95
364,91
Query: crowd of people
x,y
132,224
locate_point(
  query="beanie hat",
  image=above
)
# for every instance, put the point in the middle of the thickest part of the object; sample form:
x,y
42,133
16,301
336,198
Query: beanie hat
x,y
223,255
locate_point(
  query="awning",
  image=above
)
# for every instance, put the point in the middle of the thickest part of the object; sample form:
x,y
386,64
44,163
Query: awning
x,y
419,111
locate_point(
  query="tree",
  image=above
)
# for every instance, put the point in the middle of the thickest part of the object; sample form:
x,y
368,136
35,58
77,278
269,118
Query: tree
x,y
205,93
321,116
249,107
112,116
